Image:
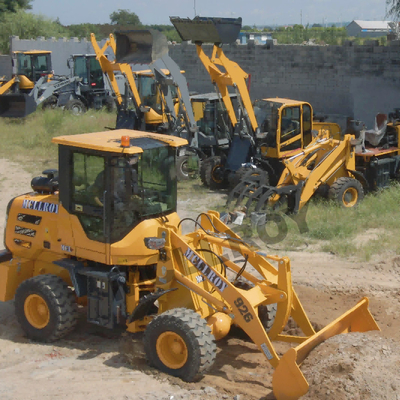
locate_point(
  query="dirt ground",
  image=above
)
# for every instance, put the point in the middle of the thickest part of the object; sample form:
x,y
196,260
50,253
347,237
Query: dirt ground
x,y
94,363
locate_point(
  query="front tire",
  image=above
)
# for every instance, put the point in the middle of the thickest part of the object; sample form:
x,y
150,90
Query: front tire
x,y
76,107
45,308
180,343
347,192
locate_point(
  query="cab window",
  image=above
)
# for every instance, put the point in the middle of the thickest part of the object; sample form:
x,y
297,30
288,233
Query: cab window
x,y
290,127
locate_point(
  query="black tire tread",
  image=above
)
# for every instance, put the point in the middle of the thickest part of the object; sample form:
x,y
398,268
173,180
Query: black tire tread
x,y
190,322
340,185
61,301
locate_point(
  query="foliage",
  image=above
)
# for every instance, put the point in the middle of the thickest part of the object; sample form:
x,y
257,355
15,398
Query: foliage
x,y
124,17
14,5
26,26
298,34
82,30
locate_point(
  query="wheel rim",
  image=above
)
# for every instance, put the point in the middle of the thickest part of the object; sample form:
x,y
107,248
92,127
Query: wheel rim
x,y
172,350
36,311
350,197
76,109
185,168
216,173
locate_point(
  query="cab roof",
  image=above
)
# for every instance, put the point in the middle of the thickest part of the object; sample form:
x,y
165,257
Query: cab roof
x,y
110,141
31,52
284,101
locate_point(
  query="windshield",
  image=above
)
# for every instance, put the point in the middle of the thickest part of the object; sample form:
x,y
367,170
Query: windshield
x,y
32,66
144,186
267,117
148,92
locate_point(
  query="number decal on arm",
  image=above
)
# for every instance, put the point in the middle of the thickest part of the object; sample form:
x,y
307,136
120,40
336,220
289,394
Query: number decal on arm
x,y
243,309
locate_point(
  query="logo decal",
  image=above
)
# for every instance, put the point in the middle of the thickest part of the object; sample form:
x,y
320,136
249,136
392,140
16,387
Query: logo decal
x,y
206,270
40,206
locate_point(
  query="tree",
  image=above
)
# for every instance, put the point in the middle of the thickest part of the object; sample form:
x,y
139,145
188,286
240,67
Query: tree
x,y
26,26
393,8
124,17
14,5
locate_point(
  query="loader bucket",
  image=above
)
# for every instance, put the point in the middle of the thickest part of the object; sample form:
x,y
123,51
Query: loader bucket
x,y
140,46
288,382
16,105
208,29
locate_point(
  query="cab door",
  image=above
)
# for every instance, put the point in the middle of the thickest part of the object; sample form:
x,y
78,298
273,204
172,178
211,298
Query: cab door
x,y
90,206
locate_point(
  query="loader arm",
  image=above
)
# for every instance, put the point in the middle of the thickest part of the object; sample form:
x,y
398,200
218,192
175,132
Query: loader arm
x,y
185,256
109,68
234,77
328,156
7,85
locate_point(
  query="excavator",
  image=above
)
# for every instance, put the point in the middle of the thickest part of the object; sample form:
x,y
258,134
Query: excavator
x,y
102,230
267,131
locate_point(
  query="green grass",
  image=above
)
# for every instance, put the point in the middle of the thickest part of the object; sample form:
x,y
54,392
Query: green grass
x,y
28,140
361,233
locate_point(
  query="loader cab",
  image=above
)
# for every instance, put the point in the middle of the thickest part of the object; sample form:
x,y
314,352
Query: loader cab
x,y
31,65
87,67
211,117
111,191
285,125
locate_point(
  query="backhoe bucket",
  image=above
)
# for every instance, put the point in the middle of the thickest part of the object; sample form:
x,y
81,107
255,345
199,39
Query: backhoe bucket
x,y
288,382
141,46
16,105
208,29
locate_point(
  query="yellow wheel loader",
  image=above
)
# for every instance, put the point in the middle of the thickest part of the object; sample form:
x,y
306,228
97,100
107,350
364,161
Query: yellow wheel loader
x,y
103,230
267,131
28,67
341,169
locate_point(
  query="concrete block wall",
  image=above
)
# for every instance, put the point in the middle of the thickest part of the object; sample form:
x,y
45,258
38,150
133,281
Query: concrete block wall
x,y
356,81
61,49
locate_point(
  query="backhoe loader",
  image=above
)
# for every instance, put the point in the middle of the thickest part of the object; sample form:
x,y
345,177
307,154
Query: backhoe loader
x,y
266,132
104,230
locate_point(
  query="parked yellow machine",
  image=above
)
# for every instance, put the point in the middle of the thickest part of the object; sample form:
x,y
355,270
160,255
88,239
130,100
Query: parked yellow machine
x,y
342,169
106,230
277,126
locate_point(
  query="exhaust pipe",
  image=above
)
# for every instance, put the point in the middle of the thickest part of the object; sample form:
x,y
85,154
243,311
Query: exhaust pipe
x,y
208,29
140,46
16,105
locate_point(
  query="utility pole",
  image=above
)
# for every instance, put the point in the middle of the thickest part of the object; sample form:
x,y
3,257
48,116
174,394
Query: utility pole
x,y
301,17
194,7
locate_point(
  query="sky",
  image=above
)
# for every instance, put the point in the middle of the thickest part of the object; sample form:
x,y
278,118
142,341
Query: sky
x,y
253,12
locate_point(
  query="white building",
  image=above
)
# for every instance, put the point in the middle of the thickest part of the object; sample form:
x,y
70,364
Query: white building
x,y
364,29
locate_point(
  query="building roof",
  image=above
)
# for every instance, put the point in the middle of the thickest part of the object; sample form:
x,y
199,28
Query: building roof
x,y
372,25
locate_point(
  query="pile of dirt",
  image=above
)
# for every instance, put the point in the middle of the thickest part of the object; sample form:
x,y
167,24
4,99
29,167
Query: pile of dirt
x,y
356,366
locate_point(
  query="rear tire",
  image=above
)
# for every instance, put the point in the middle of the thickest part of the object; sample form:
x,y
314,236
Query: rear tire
x,y
179,342
76,107
347,192
182,168
212,173
45,308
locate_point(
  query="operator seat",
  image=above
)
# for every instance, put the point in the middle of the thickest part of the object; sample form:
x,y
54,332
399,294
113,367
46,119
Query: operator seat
x,y
374,136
